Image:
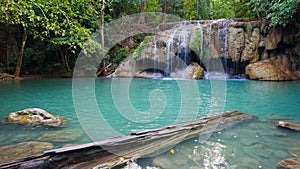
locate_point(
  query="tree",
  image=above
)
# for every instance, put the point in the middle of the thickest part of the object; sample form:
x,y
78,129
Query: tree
x,y
66,24
277,12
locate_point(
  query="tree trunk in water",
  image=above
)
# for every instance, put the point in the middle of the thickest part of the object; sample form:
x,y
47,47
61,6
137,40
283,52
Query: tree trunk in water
x,y
21,53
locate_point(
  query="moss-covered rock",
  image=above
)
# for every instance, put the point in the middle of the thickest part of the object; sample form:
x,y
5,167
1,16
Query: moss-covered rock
x,y
34,116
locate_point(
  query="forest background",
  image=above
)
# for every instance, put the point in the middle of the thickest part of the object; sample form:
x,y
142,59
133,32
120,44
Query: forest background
x,y
44,38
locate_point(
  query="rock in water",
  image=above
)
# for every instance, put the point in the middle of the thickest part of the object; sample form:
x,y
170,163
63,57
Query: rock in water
x,y
194,71
34,116
21,150
289,164
288,125
276,68
6,77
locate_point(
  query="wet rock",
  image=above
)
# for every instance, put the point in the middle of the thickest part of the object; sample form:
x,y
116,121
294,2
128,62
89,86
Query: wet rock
x,y
289,164
277,68
21,150
288,125
262,71
34,116
194,71
61,136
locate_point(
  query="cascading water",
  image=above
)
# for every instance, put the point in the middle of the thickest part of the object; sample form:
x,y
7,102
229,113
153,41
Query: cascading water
x,y
183,46
226,30
154,52
170,51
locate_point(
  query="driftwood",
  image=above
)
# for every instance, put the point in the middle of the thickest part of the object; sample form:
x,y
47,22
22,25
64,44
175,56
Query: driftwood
x,y
288,125
117,151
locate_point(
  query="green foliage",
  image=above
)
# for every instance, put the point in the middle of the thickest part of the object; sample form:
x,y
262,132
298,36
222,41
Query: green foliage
x,y
278,12
2,68
197,41
120,55
140,49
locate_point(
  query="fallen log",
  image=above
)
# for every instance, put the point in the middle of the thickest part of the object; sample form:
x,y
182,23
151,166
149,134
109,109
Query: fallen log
x,y
116,151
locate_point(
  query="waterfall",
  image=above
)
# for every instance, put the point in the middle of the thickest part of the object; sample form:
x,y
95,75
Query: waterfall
x,y
170,52
154,51
183,46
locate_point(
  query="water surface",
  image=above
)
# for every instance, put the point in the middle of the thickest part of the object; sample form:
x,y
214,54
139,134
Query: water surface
x,y
257,144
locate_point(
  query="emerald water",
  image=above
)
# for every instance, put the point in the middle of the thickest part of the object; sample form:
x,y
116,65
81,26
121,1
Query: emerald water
x,y
255,144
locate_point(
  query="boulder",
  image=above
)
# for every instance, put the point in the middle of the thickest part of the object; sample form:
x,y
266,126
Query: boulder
x,y
276,68
289,164
34,116
21,150
262,71
288,125
194,71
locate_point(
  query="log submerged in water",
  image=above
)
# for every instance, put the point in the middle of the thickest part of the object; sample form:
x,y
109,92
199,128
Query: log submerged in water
x,y
116,151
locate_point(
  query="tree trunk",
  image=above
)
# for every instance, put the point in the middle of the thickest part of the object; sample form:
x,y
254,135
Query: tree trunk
x,y
63,57
164,7
21,53
102,24
143,6
164,12
142,14
197,6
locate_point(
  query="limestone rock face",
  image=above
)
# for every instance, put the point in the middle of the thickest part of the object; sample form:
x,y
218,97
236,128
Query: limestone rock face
x,y
34,116
289,164
278,68
21,150
273,37
253,39
236,43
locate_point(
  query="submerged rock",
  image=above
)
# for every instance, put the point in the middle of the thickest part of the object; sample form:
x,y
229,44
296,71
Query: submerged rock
x,y
288,125
161,162
289,164
34,116
21,150
61,136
